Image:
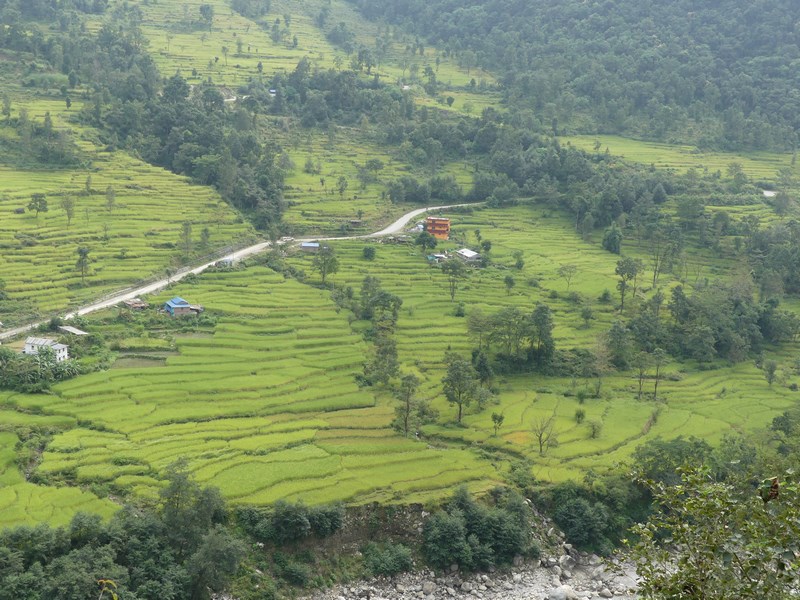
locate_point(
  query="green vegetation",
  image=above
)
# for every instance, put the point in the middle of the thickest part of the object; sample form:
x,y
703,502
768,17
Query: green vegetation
x,y
712,78
628,293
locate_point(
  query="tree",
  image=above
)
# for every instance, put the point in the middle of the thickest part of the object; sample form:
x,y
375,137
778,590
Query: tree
x,y
659,360
627,270
426,241
479,325
612,239
642,362
497,421
38,203
214,563
455,272
482,367
541,334
405,393
543,429
341,185
7,107
567,272
384,364
770,368
68,206
225,54
460,383
509,282
368,252
111,198
186,238
325,262
714,540
587,314
519,259
83,262
207,14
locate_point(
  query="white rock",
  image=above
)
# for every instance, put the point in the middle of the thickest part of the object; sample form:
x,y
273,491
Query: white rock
x,y
605,593
516,578
563,592
428,588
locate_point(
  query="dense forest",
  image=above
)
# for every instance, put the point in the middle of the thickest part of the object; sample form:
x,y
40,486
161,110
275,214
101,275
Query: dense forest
x,y
718,74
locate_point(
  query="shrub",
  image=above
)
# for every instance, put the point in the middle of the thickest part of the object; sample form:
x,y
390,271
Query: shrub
x,y
368,252
388,559
445,540
580,415
475,536
326,520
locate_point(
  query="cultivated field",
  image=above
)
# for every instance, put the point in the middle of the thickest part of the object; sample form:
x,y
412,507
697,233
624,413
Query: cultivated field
x,y
264,406
757,165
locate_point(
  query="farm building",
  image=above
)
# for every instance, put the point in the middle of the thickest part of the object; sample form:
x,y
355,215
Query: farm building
x,y
438,227
33,344
468,255
178,307
310,247
72,330
135,304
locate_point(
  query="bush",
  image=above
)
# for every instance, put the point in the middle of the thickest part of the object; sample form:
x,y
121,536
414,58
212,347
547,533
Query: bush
x,y
368,252
580,415
388,559
475,536
295,573
326,520
445,540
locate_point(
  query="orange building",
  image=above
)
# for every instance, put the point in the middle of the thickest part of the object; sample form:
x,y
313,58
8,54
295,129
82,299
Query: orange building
x,y
438,227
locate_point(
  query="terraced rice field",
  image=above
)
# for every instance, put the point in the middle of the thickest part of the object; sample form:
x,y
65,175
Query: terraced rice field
x,y
136,237
23,502
317,208
181,40
707,404
757,165
266,408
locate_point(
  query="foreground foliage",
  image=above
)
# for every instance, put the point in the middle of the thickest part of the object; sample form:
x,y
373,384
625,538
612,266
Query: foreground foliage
x,y
712,540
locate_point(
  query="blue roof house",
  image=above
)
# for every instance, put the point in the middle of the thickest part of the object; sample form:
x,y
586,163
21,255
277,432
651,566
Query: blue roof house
x,y
178,307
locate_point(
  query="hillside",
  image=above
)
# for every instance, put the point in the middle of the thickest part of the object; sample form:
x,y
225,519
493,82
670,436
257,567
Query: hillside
x,y
633,304
719,75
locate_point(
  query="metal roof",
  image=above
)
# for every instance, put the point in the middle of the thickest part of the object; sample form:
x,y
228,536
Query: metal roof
x,y
177,301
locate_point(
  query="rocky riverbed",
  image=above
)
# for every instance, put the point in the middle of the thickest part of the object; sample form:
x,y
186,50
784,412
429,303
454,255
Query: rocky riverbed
x,y
569,576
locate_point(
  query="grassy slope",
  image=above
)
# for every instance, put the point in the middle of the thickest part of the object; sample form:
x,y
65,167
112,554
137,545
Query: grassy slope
x,y
267,407
133,240
271,389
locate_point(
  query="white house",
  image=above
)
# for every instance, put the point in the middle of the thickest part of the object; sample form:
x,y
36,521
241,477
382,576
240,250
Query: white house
x,y
32,345
468,255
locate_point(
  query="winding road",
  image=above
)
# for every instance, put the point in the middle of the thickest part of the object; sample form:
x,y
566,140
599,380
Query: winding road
x,y
150,288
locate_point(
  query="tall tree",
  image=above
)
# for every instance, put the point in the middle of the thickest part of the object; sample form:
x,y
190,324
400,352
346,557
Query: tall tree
x,y
455,271
82,263
38,203
405,393
460,384
325,262
68,206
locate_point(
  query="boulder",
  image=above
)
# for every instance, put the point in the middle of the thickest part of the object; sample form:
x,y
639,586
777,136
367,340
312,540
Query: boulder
x,y
563,592
428,588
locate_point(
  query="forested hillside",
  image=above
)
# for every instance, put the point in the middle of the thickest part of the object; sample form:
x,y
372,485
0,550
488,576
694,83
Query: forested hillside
x,y
719,74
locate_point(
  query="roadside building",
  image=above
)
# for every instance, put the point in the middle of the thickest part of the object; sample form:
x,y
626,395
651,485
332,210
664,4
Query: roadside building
x,y
178,307
72,330
438,227
468,255
310,247
135,304
34,344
